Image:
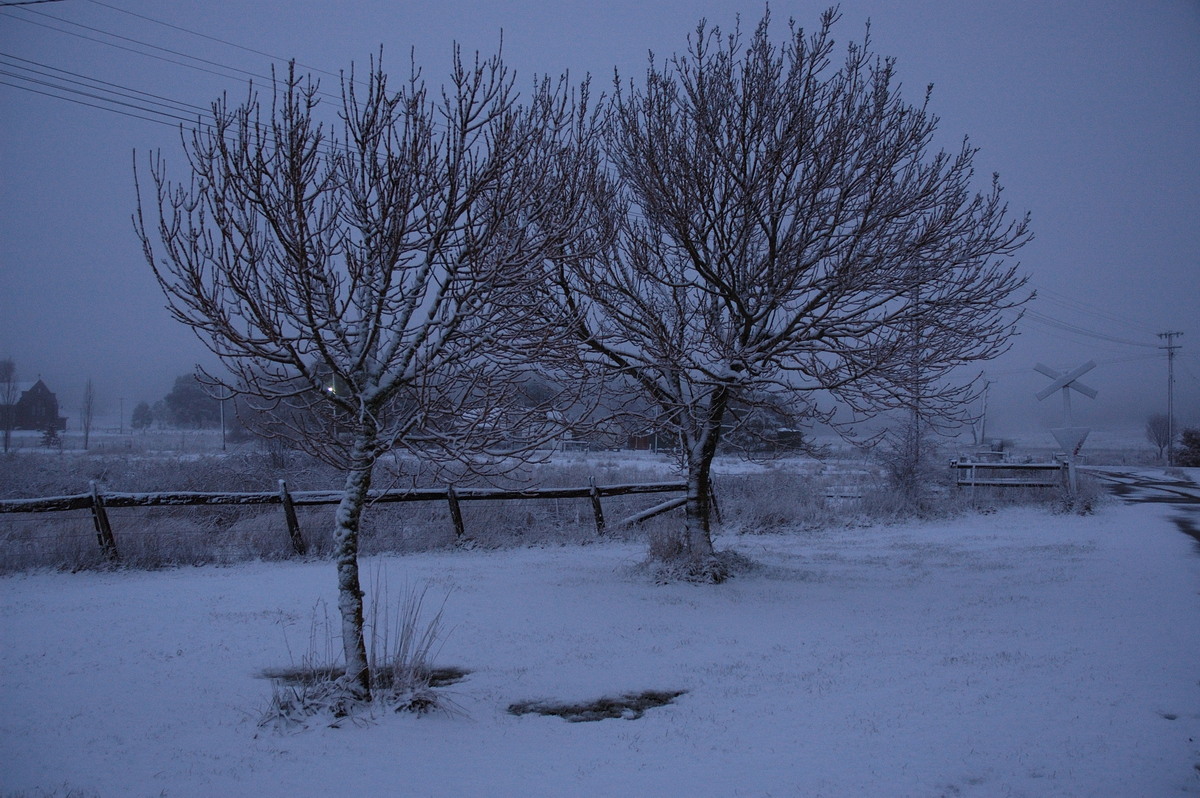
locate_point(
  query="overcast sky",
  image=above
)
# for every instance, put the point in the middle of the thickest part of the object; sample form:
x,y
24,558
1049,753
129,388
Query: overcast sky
x,y
1089,111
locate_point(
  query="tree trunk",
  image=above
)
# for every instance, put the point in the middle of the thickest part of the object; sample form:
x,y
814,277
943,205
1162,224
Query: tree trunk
x,y
345,536
698,509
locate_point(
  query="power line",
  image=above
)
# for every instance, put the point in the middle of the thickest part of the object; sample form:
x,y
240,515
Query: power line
x,y
1113,361
1059,334
1187,370
82,93
130,40
128,49
211,38
1079,306
90,105
123,97
329,146
1049,321
231,72
96,84
107,93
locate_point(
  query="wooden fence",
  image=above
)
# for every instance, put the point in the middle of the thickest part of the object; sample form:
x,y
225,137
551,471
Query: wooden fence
x,y
98,502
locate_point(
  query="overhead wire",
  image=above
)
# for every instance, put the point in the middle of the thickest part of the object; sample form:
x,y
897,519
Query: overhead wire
x,y
61,84
1079,306
89,105
1008,372
148,99
1187,371
1049,321
1059,333
211,38
86,37
95,84
201,64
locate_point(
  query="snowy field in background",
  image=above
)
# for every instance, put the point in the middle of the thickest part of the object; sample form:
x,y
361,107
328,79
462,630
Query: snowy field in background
x,y
1018,653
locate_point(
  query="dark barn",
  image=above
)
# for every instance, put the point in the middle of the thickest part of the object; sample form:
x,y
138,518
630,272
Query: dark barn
x,y
36,408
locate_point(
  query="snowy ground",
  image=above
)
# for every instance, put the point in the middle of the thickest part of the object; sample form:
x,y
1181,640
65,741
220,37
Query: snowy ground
x,y
1018,653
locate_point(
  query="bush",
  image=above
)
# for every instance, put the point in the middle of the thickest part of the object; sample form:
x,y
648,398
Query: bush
x,y
1188,455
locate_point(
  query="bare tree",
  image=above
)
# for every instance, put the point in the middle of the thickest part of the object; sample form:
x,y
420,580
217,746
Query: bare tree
x,y
87,411
356,279
1158,431
780,230
9,394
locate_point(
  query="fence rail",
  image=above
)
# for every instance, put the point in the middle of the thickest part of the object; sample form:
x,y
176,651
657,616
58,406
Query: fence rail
x,y
99,502
968,474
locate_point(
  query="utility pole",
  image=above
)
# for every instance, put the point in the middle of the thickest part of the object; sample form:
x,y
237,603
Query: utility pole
x,y
983,415
1171,347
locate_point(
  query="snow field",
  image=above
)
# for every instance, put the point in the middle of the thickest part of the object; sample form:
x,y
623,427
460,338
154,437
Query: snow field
x,y
1018,653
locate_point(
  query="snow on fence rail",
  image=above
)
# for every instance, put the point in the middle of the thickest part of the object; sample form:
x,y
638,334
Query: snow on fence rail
x,y
98,502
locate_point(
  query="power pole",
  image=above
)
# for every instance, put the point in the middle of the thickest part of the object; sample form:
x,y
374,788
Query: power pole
x,y
983,416
1171,347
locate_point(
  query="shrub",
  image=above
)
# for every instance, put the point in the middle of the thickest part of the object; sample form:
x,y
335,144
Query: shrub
x,y
1188,454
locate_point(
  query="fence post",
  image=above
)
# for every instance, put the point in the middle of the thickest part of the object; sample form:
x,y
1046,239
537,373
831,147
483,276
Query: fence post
x,y
104,533
293,524
455,512
597,510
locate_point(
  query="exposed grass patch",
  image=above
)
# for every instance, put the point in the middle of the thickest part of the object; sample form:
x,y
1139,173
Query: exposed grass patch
x,y
298,676
629,706
401,644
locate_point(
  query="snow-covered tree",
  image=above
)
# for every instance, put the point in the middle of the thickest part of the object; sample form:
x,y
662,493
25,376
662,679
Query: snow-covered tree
x,y
357,277
781,229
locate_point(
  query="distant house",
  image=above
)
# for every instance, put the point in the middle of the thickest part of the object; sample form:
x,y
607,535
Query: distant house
x,y
652,441
36,408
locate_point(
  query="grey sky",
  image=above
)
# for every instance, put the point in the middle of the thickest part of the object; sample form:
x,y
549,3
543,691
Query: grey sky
x,y
1090,112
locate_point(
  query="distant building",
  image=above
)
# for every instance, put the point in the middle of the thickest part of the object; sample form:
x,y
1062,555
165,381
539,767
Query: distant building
x,y
36,408
652,441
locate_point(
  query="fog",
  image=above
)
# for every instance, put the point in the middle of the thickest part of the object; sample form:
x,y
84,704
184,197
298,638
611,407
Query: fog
x,y
1089,111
